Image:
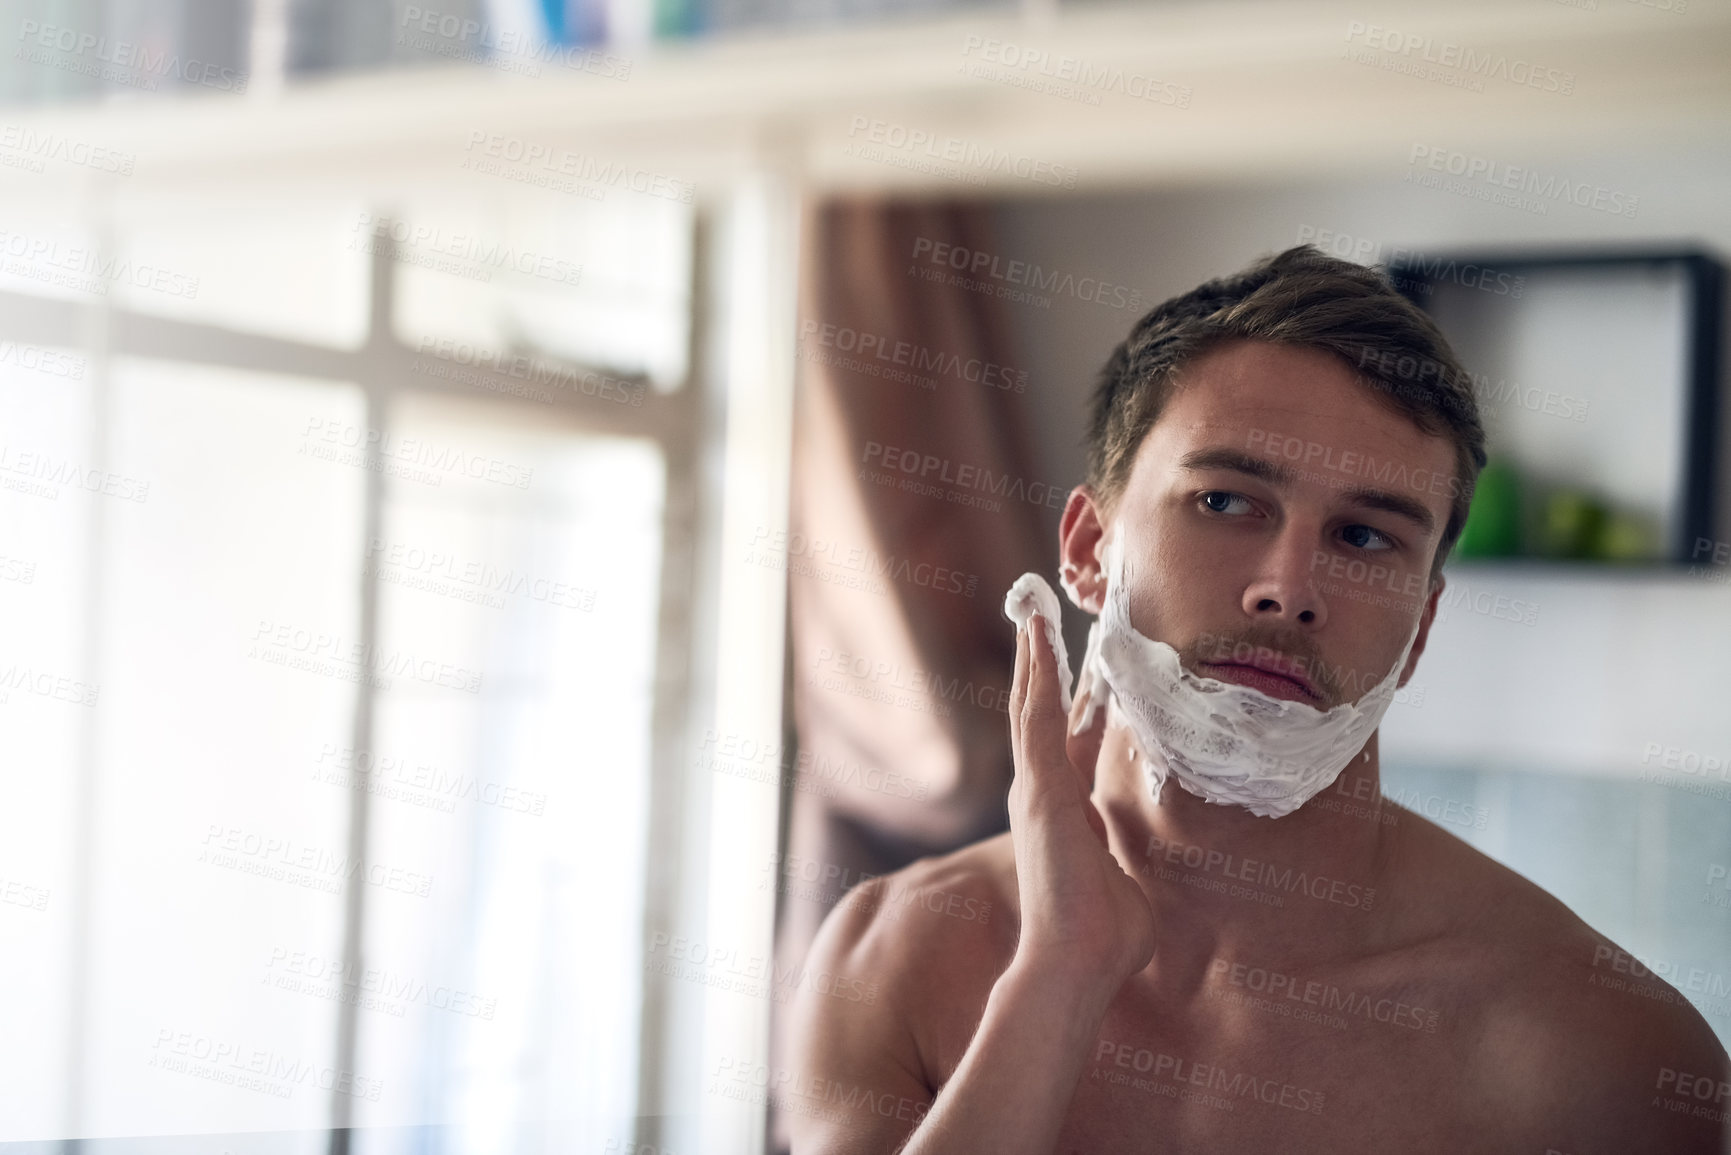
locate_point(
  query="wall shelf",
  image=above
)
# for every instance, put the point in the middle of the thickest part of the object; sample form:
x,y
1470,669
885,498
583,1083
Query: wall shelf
x,y
706,110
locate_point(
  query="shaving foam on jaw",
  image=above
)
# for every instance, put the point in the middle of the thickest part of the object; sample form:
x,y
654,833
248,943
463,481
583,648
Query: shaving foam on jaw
x,y
1224,742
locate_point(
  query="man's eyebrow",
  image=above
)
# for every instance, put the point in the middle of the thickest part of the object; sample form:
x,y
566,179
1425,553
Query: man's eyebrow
x,y
1279,473
1273,472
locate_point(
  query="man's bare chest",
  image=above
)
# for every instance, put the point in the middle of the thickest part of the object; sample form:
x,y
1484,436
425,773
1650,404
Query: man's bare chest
x,y
1265,1088
1323,1067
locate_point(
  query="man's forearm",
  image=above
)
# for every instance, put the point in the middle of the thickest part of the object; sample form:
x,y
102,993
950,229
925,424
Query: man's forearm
x,y
1014,1085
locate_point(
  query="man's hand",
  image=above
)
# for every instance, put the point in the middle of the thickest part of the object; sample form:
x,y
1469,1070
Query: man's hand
x,y
1085,928
1084,920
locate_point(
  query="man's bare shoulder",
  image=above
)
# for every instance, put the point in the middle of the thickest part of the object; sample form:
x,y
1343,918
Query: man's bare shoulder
x,y
932,938
1601,1057
948,912
1566,1028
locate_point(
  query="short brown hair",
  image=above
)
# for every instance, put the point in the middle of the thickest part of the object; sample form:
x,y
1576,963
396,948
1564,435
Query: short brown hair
x,y
1306,298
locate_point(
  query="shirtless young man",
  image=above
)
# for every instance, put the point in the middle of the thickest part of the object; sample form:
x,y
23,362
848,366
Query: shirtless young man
x,y
1187,976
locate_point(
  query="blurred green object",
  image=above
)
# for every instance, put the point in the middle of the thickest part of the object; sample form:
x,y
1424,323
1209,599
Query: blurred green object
x,y
1493,527
1626,537
1571,525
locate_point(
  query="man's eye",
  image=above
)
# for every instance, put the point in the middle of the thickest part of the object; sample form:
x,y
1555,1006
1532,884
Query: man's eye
x,y
1364,537
1220,501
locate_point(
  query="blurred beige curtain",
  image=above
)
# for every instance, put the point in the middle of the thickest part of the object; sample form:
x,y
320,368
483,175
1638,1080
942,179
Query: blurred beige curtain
x,y
914,508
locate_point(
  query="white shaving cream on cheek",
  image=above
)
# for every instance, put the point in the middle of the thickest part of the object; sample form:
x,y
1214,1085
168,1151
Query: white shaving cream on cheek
x,y
1224,742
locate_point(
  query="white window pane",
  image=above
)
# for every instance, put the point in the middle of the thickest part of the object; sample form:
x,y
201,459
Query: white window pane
x,y
605,284
225,597
44,522
46,254
526,802
289,269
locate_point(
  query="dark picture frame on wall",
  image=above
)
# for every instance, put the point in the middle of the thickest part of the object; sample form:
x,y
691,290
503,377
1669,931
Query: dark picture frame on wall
x,y
1598,377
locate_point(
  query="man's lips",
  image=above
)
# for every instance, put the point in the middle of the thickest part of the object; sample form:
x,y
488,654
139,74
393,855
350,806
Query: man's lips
x,y
1266,677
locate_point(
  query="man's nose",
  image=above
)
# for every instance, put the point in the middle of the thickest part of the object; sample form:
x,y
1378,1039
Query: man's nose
x,y
1283,588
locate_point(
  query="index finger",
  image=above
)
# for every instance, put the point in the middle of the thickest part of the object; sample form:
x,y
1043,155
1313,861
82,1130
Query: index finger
x,y
1030,595
1039,724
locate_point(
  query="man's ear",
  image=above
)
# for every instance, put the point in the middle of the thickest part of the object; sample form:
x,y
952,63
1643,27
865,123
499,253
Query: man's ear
x,y
1081,536
1424,624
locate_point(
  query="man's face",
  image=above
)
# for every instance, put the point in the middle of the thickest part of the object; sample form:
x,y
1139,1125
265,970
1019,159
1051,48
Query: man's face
x,y
1279,525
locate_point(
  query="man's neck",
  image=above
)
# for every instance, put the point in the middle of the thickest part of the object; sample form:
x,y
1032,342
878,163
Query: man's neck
x,y
1224,883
